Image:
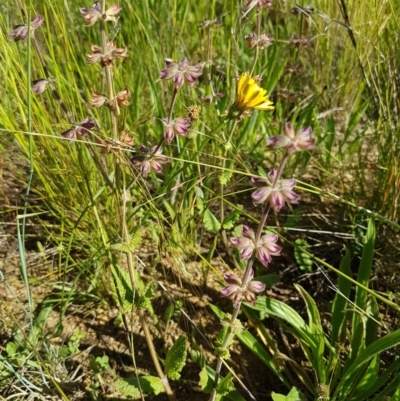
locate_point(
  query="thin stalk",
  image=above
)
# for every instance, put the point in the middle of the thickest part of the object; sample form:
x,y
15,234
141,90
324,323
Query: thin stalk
x,y
134,283
222,204
169,118
120,193
257,50
109,75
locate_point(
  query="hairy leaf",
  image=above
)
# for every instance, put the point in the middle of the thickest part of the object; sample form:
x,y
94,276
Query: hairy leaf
x,y
130,385
176,358
210,222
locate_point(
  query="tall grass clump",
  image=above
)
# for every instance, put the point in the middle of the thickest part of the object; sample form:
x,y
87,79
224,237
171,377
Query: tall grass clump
x,y
144,128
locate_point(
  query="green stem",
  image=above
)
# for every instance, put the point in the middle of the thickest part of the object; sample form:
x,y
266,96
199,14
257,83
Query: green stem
x,y
257,51
222,204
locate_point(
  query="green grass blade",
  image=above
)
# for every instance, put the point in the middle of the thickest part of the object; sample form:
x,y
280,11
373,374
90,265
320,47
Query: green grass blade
x,y
360,301
340,302
349,376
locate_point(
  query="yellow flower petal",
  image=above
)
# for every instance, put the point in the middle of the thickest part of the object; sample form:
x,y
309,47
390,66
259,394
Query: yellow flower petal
x,y
251,96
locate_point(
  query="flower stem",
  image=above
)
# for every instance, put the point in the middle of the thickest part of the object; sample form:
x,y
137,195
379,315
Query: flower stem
x,y
257,50
108,74
222,205
246,275
171,109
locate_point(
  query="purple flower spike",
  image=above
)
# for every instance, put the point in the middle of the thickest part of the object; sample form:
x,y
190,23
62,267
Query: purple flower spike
x,y
39,86
236,290
80,130
92,15
276,193
265,248
179,126
181,73
20,32
245,243
292,142
149,160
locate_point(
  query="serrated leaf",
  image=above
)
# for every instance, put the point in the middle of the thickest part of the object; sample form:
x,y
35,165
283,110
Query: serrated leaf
x,y
176,358
210,222
303,259
206,383
144,300
225,176
130,385
294,395
132,245
225,386
200,204
121,289
232,218
238,231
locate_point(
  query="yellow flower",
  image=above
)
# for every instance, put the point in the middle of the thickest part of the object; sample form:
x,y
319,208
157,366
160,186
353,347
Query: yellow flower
x,y
250,96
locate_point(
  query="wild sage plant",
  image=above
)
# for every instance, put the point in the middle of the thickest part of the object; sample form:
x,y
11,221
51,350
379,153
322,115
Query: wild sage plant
x,y
273,192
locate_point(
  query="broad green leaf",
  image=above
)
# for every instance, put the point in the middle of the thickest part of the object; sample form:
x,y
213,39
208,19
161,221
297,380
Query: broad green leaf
x,y
368,378
294,395
388,389
396,395
217,311
206,382
210,222
199,192
259,350
272,307
238,231
130,386
176,358
148,294
301,254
